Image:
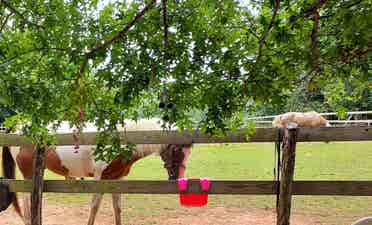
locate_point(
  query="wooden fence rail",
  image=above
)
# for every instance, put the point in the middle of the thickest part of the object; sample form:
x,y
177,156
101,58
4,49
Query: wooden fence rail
x,y
233,187
325,134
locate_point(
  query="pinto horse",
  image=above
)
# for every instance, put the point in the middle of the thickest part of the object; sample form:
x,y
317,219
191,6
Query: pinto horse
x,y
72,163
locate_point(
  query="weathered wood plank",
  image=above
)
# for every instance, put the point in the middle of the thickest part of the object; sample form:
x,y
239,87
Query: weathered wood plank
x,y
347,188
12,139
233,187
334,134
167,137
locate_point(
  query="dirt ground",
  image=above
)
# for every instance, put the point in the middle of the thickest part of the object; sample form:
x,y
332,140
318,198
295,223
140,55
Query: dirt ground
x,y
64,215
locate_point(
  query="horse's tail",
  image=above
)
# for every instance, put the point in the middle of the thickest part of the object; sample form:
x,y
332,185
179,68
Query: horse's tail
x,y
9,173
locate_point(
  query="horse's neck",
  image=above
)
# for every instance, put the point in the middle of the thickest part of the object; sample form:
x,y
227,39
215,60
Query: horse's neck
x,y
144,150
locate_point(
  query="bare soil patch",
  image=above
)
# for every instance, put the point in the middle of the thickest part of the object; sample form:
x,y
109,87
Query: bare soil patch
x,y
73,215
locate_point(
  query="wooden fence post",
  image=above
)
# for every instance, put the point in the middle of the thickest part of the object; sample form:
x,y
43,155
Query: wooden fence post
x,y
287,172
37,185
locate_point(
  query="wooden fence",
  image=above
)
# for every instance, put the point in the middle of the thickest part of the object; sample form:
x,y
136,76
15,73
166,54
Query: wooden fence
x,y
324,134
231,187
288,187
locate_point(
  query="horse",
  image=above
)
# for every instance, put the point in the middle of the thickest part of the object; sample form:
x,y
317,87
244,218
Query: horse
x,y
74,163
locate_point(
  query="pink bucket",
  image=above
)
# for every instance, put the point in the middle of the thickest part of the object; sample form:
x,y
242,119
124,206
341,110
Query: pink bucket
x,y
195,200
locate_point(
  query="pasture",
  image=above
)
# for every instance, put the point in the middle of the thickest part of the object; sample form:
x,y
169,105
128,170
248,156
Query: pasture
x,y
315,161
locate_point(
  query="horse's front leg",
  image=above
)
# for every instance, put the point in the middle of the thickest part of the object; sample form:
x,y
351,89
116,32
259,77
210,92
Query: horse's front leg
x,y
116,203
27,208
96,201
97,197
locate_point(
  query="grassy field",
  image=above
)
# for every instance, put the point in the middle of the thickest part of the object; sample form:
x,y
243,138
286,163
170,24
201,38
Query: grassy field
x,y
320,161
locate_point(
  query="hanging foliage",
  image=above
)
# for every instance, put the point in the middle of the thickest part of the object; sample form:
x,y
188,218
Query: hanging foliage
x,y
58,57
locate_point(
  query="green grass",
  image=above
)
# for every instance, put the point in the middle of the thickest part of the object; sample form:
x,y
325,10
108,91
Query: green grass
x,y
314,161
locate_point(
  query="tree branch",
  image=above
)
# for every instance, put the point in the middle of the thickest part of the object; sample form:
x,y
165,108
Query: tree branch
x,y
254,34
267,31
352,4
5,21
250,27
261,43
104,44
119,36
314,42
20,15
348,54
314,36
64,50
81,69
308,12
165,23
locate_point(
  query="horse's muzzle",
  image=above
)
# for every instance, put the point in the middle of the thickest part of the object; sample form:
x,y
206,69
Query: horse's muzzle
x,y
172,177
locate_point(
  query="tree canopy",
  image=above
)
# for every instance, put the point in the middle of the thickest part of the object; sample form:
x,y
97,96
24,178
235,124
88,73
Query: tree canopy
x,y
113,60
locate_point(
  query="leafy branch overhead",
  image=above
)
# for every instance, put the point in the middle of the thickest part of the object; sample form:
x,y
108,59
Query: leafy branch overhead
x,y
88,54
211,58
267,30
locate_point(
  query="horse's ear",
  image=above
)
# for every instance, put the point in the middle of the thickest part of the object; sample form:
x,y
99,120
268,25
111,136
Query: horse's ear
x,y
6,197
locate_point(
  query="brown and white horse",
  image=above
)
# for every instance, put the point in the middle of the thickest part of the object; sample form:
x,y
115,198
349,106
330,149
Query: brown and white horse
x,y
71,163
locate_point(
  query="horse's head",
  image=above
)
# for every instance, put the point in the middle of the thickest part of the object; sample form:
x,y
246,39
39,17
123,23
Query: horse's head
x,y
174,157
